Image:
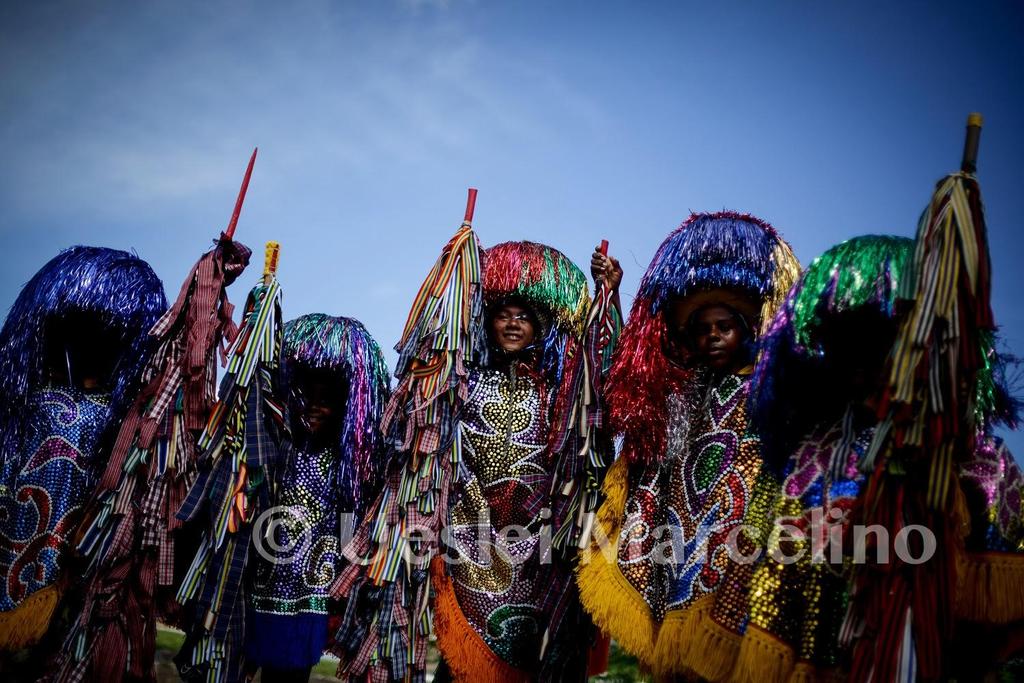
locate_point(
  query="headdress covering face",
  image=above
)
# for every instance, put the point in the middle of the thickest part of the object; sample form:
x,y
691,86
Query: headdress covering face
x,y
553,287
725,258
345,348
50,434
117,289
790,391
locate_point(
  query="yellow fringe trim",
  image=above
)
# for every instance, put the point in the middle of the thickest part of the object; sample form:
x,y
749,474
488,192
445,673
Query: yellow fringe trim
x,y
805,672
612,602
692,642
467,655
763,658
23,626
992,588
615,490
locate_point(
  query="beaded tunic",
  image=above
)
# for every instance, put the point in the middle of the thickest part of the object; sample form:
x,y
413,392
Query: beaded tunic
x,y
994,485
802,603
39,504
711,489
680,513
295,568
498,579
295,577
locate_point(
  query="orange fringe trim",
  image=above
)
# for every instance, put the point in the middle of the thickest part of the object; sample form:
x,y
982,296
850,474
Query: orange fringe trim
x,y
23,626
692,642
467,655
992,588
612,602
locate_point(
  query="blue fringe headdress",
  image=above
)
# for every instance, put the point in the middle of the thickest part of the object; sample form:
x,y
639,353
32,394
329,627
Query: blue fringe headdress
x,y
787,391
344,346
724,254
118,288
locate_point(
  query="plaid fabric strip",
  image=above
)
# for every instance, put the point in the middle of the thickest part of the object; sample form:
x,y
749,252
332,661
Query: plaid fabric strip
x,y
261,448
151,515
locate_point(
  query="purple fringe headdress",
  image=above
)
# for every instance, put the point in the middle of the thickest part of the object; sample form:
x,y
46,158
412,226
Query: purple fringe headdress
x,y
117,288
343,346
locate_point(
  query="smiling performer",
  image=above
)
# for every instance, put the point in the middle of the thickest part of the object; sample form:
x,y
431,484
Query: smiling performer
x,y
486,422
688,472
72,348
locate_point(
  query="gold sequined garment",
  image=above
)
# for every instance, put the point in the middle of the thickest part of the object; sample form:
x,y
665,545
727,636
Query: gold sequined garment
x,y
799,591
499,581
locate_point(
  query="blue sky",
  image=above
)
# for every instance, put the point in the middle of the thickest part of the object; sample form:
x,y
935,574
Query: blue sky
x,y
129,124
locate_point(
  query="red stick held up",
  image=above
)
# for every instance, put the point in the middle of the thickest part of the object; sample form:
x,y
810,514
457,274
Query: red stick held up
x,y
470,205
233,223
604,247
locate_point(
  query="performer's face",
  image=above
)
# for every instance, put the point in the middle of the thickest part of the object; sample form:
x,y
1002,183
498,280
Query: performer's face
x,y
322,404
513,328
718,339
81,352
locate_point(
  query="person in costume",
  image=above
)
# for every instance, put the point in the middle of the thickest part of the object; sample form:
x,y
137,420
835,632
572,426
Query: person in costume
x,y
812,400
515,373
337,384
130,540
933,463
690,467
72,348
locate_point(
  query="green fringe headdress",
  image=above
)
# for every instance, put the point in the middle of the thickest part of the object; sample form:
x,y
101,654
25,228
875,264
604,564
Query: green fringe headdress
x,y
787,394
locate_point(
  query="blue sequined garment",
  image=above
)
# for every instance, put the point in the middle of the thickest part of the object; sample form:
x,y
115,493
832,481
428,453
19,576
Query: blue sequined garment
x,y
298,557
43,489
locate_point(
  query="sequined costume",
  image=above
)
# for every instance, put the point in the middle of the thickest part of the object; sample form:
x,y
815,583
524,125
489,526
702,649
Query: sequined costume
x,y
796,608
51,428
491,474
809,403
499,582
130,537
689,472
287,628
317,494
41,509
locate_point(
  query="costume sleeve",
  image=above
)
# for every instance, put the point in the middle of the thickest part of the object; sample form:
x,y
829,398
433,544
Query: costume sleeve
x,y
386,582
613,325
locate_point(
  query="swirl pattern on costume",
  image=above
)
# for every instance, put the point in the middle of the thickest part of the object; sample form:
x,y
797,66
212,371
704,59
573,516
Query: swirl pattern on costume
x,y
504,432
39,504
306,541
711,486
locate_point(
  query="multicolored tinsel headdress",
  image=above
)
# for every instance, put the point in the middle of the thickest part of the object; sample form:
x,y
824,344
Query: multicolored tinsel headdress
x,y
788,391
550,284
117,288
735,256
343,346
